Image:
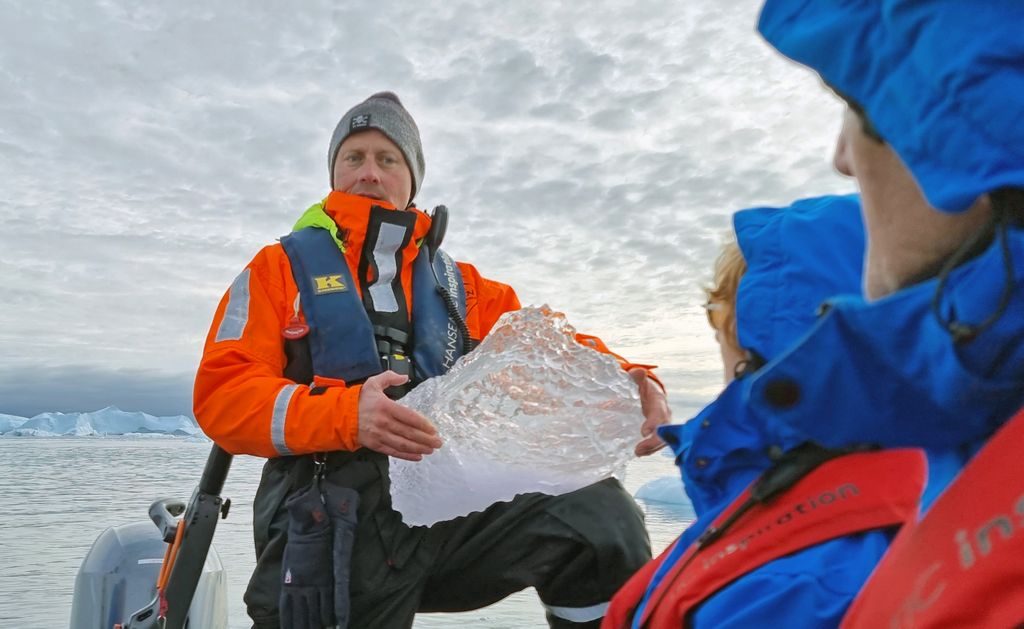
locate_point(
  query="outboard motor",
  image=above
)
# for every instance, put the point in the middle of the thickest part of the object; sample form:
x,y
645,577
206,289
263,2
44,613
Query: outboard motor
x,y
167,576
119,576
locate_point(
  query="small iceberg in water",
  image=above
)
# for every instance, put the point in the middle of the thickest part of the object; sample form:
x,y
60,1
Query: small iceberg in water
x,y
665,503
667,489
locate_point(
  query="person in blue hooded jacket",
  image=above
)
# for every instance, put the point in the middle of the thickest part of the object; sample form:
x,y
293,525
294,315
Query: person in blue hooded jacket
x,y
796,258
934,135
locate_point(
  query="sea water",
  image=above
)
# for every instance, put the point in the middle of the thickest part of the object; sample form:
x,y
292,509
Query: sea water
x,y
58,494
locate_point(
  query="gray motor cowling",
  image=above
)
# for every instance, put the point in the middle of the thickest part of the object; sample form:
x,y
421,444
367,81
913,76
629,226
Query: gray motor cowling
x,y
118,577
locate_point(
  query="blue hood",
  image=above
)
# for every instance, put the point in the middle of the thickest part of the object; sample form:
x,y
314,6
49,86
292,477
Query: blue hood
x,y
797,257
941,80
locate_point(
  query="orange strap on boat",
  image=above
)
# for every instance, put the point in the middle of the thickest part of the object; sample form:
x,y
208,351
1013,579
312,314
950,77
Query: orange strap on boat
x,y
169,556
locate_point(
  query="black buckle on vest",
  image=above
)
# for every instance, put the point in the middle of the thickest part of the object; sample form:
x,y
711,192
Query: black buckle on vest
x,y
402,365
392,344
393,336
398,363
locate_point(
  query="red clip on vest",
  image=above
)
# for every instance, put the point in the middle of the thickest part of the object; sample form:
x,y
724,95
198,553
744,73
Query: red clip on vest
x,y
846,495
963,565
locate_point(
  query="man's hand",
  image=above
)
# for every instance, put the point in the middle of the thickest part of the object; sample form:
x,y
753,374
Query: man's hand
x,y
656,412
390,428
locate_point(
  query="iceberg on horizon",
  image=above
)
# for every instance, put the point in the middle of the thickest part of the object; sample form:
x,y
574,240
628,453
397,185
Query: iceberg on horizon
x,y
107,422
10,422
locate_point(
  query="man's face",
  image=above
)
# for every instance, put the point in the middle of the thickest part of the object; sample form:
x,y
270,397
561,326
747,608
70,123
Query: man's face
x,y
370,165
908,240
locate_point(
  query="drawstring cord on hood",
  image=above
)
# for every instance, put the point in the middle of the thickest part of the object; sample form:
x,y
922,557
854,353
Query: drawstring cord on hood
x,y
1007,208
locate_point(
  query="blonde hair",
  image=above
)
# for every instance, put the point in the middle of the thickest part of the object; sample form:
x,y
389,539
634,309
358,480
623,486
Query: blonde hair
x,y
729,269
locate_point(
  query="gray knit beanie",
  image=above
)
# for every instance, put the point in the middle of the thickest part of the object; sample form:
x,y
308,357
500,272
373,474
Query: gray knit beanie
x,y
384,112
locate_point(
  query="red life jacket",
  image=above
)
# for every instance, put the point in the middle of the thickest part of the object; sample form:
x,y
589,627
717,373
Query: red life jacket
x,y
963,564
845,495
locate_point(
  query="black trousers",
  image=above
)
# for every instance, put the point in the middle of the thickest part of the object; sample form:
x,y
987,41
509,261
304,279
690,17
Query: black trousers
x,y
576,549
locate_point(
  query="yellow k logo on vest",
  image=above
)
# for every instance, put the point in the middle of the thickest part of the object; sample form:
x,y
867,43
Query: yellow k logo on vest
x,y
329,284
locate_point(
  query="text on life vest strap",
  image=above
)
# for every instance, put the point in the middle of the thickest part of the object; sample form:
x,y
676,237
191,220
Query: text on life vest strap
x,y
846,495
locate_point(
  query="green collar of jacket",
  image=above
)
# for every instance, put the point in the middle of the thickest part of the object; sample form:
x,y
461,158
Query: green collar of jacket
x,y
315,216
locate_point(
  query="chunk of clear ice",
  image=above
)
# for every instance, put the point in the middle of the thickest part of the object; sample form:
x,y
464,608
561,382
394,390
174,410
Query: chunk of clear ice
x,y
529,410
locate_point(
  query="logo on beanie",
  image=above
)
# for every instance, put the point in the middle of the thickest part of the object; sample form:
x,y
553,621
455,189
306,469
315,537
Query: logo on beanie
x,y
359,122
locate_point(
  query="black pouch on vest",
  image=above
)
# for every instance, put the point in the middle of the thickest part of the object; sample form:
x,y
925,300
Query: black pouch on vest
x,y
307,577
342,504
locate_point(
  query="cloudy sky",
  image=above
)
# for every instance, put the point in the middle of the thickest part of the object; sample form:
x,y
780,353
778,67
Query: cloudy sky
x,y
590,153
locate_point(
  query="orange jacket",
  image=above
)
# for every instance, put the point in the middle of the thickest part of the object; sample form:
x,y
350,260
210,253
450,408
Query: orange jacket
x,y
240,390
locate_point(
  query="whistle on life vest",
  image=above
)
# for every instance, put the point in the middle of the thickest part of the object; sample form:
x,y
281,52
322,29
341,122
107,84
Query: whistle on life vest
x,y
295,329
